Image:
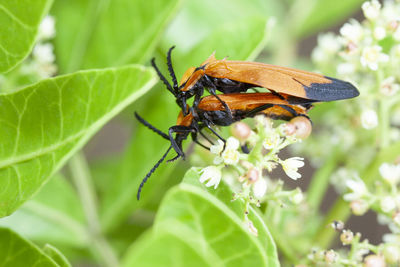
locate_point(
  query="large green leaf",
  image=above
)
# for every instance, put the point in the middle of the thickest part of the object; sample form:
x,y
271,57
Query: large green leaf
x,y
19,21
161,110
16,251
44,124
92,33
311,16
208,223
54,215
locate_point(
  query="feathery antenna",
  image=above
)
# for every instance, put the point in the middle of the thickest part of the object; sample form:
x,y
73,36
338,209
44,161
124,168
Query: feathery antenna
x,y
151,127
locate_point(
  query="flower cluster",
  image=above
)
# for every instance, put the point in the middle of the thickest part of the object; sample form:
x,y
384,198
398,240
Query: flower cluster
x,y
39,65
261,148
361,253
366,54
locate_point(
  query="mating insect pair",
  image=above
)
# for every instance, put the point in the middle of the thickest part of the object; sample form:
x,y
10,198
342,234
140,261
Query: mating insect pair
x,y
292,93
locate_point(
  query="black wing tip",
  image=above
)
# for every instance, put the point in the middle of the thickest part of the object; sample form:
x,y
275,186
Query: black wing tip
x,y
335,90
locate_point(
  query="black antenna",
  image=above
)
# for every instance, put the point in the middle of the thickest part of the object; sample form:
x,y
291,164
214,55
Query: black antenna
x,y
151,127
171,70
162,78
151,172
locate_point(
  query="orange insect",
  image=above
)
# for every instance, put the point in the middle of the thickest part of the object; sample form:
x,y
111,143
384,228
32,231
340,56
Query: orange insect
x,y
229,76
211,111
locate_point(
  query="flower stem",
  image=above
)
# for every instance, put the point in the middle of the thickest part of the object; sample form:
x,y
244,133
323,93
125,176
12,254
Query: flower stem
x,y
82,179
340,210
320,182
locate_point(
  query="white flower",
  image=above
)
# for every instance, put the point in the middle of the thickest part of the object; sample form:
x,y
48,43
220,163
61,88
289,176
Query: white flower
x,y
272,141
46,28
369,119
260,187
359,207
291,165
387,204
352,31
389,87
232,143
216,149
230,154
390,173
372,56
379,33
43,53
212,174
358,188
371,9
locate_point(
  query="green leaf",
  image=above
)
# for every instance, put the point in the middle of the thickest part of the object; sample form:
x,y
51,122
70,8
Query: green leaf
x,y
44,124
200,18
16,251
54,215
320,14
56,255
165,249
19,22
92,33
207,222
159,108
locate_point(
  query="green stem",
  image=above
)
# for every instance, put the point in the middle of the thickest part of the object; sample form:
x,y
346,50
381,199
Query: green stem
x,y
320,182
82,179
340,210
384,123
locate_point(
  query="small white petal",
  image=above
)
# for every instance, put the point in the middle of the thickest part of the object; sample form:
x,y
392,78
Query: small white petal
x,y
46,28
43,53
352,31
379,33
260,187
371,9
369,119
216,149
291,165
230,156
212,174
390,173
371,56
387,204
232,143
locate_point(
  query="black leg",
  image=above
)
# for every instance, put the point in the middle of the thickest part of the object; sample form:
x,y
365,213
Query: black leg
x,y
182,130
194,138
213,91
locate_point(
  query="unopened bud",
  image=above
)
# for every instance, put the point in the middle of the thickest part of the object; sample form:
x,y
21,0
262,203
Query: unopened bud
x,y
374,261
346,237
337,225
241,131
299,127
330,256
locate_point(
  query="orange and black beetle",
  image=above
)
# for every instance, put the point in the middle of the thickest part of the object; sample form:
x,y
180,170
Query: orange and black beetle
x,y
210,111
229,76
